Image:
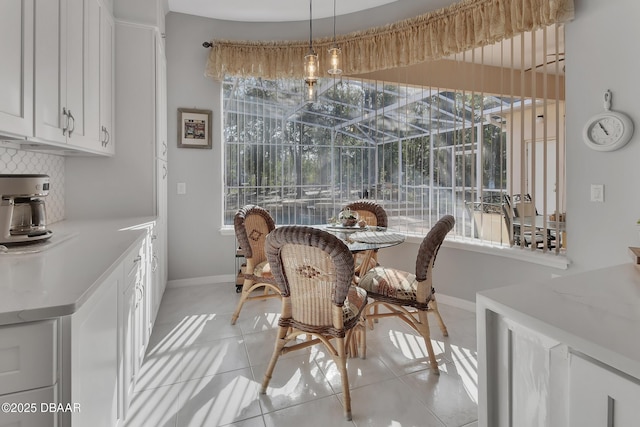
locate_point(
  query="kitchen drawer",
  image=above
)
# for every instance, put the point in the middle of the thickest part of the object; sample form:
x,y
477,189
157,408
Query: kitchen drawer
x,y
30,409
27,356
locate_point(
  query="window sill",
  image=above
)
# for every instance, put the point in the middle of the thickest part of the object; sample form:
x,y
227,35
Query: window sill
x,y
549,260
227,231
522,254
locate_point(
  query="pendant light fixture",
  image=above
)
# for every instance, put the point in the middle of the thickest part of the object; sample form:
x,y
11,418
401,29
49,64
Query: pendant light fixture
x,y
311,65
334,51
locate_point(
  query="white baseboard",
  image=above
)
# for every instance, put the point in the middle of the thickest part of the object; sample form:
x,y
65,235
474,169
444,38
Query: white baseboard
x,y
456,302
197,281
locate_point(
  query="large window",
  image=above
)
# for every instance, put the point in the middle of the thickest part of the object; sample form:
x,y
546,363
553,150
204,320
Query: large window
x,y
422,151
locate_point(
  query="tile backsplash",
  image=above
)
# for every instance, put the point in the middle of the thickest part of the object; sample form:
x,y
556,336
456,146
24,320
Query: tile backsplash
x,y
19,161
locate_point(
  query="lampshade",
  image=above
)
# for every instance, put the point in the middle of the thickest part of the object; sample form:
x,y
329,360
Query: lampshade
x,y
334,59
311,65
334,51
310,94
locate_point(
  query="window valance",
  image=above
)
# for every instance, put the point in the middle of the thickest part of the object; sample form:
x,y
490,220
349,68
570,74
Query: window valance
x,y
457,28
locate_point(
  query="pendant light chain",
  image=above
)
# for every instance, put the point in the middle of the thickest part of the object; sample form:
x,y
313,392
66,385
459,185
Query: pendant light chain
x,y
334,22
310,24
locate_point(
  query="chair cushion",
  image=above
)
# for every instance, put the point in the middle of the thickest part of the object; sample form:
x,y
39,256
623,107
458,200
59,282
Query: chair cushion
x,y
263,270
353,304
390,283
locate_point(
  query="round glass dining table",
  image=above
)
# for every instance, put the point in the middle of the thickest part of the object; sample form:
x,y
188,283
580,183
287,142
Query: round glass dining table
x,y
365,240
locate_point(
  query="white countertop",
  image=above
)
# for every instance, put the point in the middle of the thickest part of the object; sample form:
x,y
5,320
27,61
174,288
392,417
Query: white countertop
x,y
596,313
58,280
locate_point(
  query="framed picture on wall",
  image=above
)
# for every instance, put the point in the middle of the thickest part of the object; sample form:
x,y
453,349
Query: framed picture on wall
x,y
194,128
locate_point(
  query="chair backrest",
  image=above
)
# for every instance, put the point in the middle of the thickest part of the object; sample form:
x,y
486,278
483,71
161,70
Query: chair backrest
x,y
492,221
314,270
526,197
523,206
370,211
252,224
496,198
525,209
430,246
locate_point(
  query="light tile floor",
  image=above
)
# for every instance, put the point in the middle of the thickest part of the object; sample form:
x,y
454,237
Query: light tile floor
x,y
201,371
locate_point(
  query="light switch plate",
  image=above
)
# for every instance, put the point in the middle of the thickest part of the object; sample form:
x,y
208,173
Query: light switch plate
x,y
597,192
182,188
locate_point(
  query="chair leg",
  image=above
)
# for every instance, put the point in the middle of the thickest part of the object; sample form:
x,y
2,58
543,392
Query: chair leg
x,y
362,327
280,343
433,305
423,329
342,367
243,297
356,340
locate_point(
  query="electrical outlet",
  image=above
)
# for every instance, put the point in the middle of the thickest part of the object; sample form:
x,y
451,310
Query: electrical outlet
x,y
597,192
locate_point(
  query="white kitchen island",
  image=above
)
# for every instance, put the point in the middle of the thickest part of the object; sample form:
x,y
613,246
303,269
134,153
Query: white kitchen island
x,y
75,318
561,353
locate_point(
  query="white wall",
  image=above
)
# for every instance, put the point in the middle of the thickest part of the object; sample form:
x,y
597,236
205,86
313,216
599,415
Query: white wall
x,y
598,234
196,248
602,54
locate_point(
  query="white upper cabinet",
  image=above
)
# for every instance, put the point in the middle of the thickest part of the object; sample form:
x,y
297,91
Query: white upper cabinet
x,y
107,86
60,69
16,72
50,73
161,99
69,71
92,92
80,84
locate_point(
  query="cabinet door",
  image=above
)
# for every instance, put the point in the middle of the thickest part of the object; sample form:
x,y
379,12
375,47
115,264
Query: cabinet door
x,y
86,132
26,356
77,81
128,345
37,418
161,99
94,356
600,396
67,72
50,69
106,82
522,375
161,227
139,325
16,72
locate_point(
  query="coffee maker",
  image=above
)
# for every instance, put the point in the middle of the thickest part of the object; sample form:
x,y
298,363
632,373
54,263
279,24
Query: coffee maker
x,y
22,209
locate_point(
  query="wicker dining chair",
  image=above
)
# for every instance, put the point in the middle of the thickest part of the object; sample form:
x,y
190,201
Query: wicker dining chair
x,y
252,224
314,270
410,296
375,216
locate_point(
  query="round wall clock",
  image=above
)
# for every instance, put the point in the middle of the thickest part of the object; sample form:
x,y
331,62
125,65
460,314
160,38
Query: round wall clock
x,y
607,131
